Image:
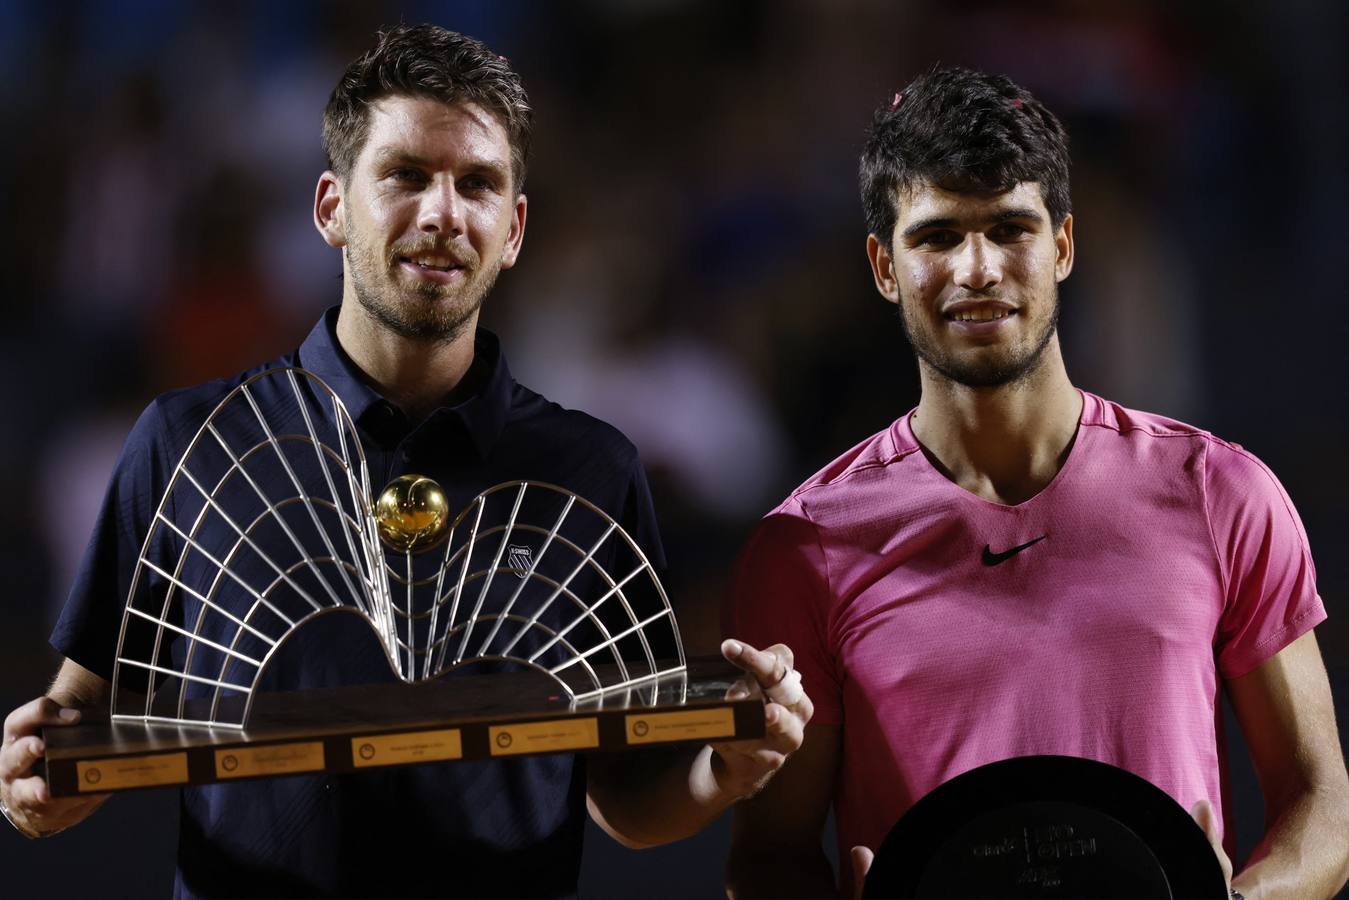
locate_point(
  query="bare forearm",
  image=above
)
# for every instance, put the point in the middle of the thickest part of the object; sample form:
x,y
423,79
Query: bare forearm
x,y
1305,851
76,686
78,696
650,799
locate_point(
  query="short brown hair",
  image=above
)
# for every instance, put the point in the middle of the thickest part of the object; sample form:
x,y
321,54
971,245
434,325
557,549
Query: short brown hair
x,y
962,130
425,61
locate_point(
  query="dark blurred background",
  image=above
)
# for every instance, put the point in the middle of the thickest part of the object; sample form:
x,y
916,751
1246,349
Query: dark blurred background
x,y
693,270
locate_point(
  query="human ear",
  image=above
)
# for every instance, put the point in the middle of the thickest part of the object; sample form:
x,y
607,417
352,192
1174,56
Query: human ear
x,y
328,210
1063,245
517,234
882,268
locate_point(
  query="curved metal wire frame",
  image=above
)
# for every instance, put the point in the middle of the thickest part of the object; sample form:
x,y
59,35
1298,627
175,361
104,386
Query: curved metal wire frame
x,y
588,613
367,588
370,577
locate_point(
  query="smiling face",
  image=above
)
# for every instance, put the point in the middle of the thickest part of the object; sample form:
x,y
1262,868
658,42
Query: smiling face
x,y
427,217
976,278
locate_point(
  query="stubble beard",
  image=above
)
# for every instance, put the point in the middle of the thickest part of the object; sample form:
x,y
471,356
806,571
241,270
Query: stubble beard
x,y
1003,371
414,312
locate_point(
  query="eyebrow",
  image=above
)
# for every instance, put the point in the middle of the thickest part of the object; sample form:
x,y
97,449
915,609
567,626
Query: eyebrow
x,y
1020,212
389,156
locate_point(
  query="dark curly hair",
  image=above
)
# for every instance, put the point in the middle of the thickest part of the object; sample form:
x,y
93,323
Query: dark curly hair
x,y
962,131
425,61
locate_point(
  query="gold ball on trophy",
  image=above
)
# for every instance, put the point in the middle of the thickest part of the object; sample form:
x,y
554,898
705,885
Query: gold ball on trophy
x,y
412,513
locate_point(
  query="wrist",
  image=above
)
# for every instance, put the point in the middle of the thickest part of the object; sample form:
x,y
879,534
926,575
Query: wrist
x,y
733,783
18,826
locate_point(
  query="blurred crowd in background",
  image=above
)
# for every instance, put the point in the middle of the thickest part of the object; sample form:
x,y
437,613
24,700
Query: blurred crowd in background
x,y
693,269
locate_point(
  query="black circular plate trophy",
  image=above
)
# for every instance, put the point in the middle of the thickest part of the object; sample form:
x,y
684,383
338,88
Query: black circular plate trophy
x,y
1046,827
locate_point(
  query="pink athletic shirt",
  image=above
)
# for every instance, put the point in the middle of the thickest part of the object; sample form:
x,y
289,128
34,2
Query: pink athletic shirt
x,y
1163,557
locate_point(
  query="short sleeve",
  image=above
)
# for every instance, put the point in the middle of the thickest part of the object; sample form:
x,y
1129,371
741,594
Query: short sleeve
x,y
780,595
639,517
1270,581
88,628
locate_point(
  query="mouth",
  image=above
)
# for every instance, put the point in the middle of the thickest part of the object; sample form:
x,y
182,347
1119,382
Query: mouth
x,y
978,317
431,262
432,267
968,311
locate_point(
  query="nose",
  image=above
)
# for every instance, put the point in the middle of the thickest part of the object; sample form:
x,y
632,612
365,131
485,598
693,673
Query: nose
x,y
441,210
978,264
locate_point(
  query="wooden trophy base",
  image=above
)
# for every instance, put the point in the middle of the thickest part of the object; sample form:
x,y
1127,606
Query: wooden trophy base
x,y
462,717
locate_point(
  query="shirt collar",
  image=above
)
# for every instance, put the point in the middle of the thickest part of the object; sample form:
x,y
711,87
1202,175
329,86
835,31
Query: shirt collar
x,y
483,414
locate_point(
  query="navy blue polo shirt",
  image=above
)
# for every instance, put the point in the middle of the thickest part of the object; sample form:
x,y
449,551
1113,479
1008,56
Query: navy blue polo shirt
x,y
503,828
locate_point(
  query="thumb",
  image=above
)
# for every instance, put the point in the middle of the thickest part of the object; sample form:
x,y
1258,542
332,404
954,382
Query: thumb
x,y
861,864
1202,813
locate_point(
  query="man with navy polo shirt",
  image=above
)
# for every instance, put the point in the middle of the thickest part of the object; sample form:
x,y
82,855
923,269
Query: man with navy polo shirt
x,y
427,136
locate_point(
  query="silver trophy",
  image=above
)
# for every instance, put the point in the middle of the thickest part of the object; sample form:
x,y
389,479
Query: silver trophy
x,y
268,523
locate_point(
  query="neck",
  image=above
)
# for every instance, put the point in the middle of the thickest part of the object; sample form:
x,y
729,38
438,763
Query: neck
x,y
416,376
1006,443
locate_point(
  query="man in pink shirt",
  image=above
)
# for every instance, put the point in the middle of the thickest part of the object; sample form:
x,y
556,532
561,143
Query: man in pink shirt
x,y
1019,567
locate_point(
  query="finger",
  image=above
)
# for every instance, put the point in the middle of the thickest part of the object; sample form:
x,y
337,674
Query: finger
x,y
788,691
803,709
767,666
27,719
1202,812
16,760
783,730
29,793
749,746
861,864
738,690
789,695
783,734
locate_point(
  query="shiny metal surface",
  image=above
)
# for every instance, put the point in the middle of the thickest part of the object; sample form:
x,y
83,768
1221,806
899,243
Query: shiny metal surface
x,y
412,514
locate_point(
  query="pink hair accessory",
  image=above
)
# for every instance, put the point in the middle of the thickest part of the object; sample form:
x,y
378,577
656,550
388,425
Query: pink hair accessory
x,y
894,104
1016,101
